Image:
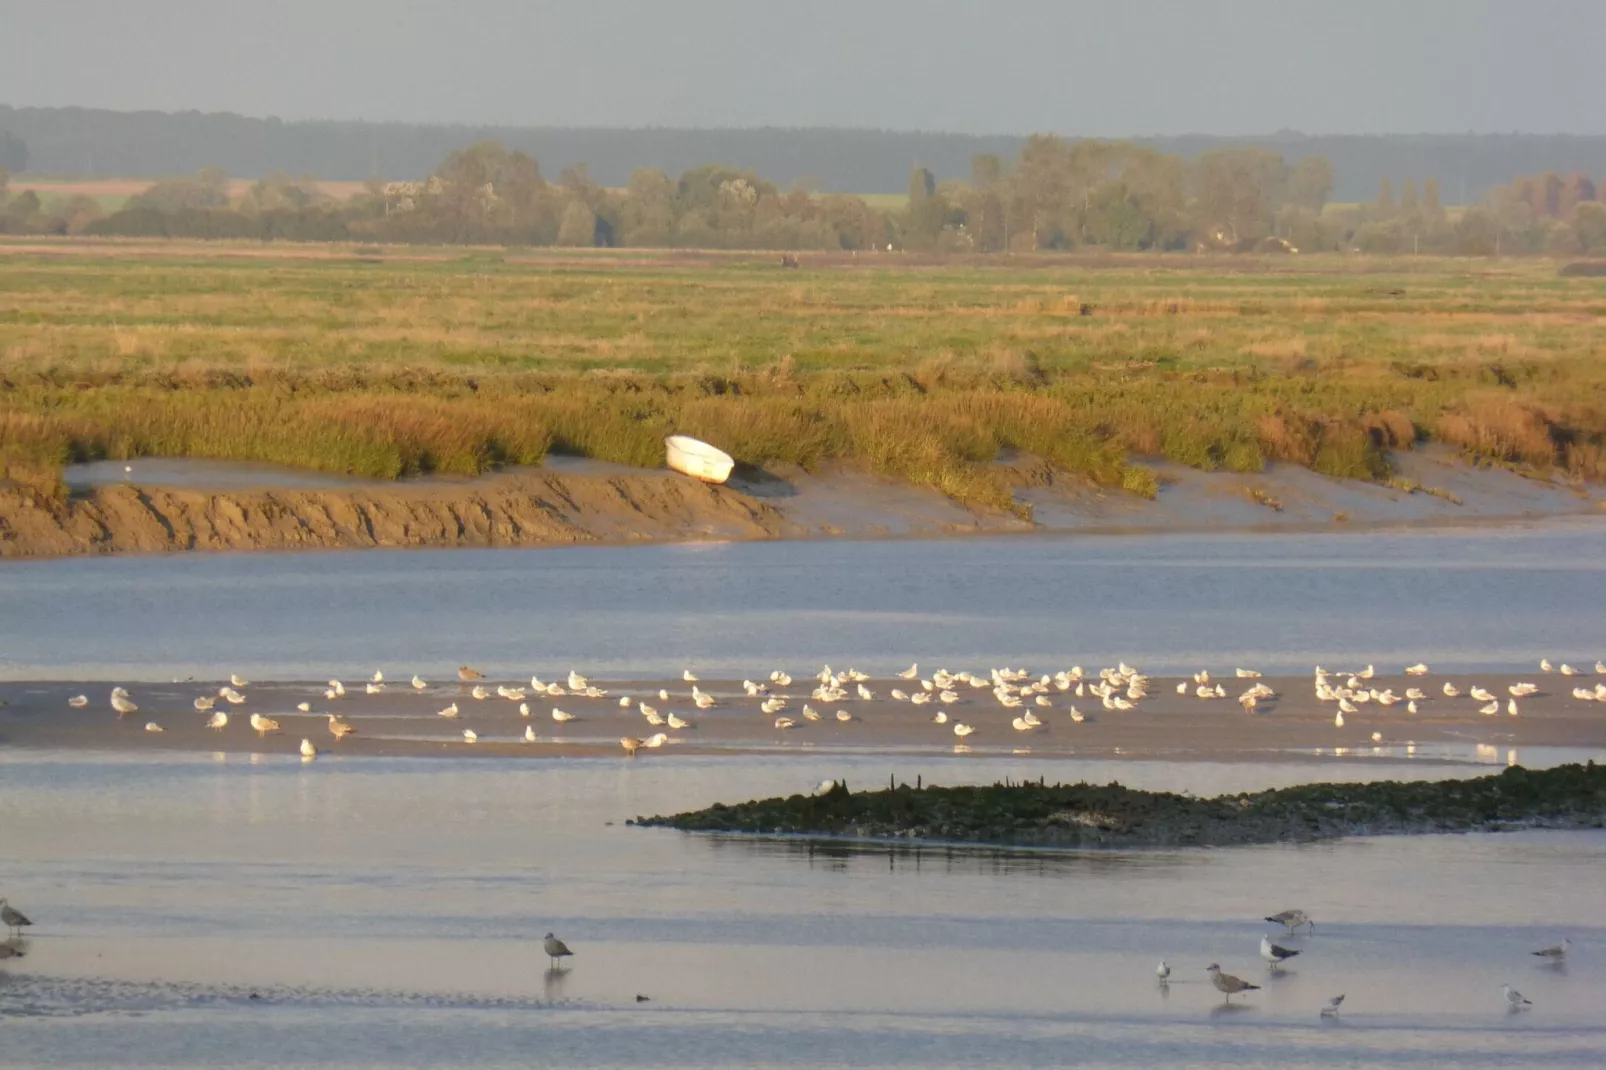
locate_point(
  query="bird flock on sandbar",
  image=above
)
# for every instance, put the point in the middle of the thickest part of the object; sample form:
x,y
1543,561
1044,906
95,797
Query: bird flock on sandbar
x,y
1276,954
962,703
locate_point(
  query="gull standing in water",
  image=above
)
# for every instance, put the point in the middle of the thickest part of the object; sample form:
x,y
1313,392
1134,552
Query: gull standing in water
x,y
1330,1008
466,674
555,949
219,720
1163,972
1227,984
1513,997
122,703
78,702
14,919
1557,952
529,733
1273,954
1292,919
418,683
308,751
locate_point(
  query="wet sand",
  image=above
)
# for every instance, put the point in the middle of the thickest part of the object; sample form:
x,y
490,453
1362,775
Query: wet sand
x,y
402,721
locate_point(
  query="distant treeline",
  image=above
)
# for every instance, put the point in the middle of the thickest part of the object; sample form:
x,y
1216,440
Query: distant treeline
x,y
1054,195
97,142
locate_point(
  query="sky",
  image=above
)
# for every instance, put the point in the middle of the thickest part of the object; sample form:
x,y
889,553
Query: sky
x,y
1078,67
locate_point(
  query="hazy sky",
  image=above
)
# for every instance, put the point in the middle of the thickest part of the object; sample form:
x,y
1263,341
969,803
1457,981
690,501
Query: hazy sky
x,y
986,66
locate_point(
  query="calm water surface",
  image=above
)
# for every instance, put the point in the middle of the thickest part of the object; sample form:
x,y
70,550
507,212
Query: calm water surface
x,y
389,912
1492,598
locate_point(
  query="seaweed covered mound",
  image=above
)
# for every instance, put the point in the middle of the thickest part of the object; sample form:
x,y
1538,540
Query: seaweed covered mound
x,y
1566,797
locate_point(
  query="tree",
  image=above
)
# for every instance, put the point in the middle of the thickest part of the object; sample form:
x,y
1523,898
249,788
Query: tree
x,y
1237,192
13,152
579,226
986,170
1310,183
1430,197
922,184
1589,221
1385,198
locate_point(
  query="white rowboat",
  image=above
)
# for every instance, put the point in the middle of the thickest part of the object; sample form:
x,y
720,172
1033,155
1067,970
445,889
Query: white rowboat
x,y
698,459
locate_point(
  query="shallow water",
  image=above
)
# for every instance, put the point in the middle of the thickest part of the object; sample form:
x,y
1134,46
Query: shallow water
x,y
389,912
1490,598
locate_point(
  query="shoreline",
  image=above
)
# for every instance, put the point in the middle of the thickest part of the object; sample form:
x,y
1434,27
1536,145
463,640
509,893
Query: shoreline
x,y
575,503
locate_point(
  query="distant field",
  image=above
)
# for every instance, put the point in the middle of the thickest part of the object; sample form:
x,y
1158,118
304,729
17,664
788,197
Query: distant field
x,y
112,192
396,360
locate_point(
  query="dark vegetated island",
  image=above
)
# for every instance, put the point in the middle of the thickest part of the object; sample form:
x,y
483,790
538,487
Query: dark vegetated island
x,y
1086,815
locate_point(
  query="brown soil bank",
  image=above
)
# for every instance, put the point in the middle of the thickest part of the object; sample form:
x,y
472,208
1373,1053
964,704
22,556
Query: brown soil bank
x,y
525,510
585,501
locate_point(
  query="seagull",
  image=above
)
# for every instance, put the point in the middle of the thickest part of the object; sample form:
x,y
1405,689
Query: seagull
x,y
1544,666
202,704
378,677
1227,984
962,730
691,678
1273,954
308,750
844,716
654,741
450,711
470,736
1163,972
1419,669
338,688
1513,997
78,702
785,723
1491,709
561,716
1555,953
122,703
479,694
1292,919
524,709
911,672
263,725
629,743
339,729
676,721
304,707
219,719
152,726
373,689
14,919
237,680
465,674
555,949
419,684
1330,1008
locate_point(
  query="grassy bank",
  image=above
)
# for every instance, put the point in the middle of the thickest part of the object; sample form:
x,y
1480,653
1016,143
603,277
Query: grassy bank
x,y
1570,796
405,361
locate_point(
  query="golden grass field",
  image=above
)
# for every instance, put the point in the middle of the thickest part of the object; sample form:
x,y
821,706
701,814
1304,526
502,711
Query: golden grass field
x,y
399,360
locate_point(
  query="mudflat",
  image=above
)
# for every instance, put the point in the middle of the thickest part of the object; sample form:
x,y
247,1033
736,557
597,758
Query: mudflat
x,y
403,721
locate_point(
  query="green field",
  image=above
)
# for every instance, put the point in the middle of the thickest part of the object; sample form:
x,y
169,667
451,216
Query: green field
x,y
405,360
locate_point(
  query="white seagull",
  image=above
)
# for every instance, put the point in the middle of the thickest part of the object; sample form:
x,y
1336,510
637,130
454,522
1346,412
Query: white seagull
x,y
1514,998
1163,972
1330,1008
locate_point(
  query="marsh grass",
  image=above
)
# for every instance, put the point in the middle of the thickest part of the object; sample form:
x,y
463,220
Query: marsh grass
x,y
923,372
